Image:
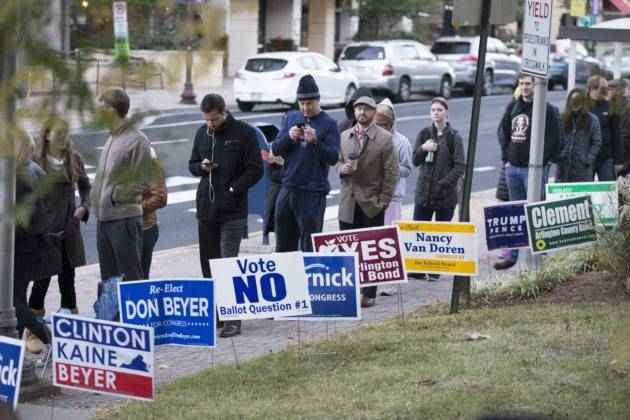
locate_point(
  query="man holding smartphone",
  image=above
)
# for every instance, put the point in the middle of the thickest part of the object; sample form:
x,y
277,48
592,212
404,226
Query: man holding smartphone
x,y
227,157
309,144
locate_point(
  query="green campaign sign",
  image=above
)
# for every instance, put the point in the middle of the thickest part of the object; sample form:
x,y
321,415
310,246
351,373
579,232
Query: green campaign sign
x,y
604,195
559,224
121,32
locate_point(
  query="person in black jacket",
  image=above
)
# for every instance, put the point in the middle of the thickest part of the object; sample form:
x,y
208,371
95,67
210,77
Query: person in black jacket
x,y
515,133
227,157
610,157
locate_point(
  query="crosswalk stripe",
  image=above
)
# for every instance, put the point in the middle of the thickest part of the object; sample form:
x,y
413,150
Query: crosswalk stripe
x,y
178,181
484,168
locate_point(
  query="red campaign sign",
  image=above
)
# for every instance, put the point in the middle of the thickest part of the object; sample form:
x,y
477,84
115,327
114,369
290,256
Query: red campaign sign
x,y
104,381
380,255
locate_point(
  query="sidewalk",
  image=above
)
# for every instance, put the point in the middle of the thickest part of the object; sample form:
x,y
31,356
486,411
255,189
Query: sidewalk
x,y
163,101
259,337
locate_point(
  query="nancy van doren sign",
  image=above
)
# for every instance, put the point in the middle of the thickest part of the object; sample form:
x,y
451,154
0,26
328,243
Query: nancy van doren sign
x,y
102,356
560,224
261,286
180,311
380,257
439,248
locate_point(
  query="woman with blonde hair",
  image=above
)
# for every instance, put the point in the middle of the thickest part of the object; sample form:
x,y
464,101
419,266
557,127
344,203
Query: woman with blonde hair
x,y
611,152
36,252
65,174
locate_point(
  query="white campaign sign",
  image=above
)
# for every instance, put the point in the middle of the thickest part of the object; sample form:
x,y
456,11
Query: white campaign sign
x,y
261,286
120,20
536,36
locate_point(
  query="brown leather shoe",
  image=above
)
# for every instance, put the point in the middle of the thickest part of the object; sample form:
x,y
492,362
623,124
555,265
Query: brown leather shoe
x,y
504,264
367,302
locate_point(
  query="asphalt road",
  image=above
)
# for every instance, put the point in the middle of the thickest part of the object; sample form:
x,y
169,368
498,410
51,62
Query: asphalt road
x,y
171,134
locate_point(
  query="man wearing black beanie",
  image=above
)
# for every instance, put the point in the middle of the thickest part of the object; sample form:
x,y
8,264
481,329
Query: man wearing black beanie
x,y
309,143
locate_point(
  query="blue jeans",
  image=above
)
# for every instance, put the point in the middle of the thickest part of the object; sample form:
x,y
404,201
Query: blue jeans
x,y
605,170
516,177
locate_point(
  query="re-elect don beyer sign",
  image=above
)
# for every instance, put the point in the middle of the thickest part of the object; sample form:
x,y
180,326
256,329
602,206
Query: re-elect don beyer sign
x,y
102,356
261,286
560,224
439,248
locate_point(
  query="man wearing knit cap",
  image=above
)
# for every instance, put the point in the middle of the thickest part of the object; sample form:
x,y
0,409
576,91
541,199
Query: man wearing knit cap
x,y
369,171
386,118
309,144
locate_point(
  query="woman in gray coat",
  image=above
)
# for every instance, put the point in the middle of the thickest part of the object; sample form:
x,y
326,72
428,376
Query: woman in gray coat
x,y
582,140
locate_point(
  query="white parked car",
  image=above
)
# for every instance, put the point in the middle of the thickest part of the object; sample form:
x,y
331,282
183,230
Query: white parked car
x,y
272,78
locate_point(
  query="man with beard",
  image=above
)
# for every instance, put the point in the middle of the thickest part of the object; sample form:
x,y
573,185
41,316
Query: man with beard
x,y
369,172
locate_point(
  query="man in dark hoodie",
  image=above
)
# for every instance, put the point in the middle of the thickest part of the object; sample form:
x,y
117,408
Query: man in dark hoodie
x,y
309,144
227,158
515,133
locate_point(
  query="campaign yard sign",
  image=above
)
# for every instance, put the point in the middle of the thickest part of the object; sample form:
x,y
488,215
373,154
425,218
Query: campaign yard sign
x,y
439,247
11,359
380,256
103,356
506,226
261,286
181,311
333,285
559,224
604,195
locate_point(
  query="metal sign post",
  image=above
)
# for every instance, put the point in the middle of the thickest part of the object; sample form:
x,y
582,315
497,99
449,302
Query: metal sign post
x,y
536,46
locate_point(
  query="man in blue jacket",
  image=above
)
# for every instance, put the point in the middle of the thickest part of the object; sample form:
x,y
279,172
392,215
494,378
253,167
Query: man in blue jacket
x,y
309,143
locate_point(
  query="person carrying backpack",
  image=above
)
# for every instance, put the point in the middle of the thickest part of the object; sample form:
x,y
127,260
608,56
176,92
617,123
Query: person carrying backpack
x,y
439,154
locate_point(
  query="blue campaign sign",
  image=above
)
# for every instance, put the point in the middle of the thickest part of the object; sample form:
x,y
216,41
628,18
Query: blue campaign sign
x,y
506,226
333,285
181,311
11,357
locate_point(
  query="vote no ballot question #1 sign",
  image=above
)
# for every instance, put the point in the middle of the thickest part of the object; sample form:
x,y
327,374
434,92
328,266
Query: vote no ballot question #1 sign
x,y
261,286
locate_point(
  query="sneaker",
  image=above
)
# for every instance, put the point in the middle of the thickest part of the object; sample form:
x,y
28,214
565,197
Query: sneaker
x,y
417,276
33,344
388,291
230,330
367,302
504,264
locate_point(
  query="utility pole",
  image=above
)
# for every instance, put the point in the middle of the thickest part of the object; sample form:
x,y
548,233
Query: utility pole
x,y
461,284
8,321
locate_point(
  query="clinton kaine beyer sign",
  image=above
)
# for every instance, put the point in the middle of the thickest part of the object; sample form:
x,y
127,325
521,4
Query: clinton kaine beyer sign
x,y
439,248
560,224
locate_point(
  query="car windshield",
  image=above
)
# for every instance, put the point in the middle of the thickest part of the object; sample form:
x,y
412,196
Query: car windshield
x,y
451,48
261,65
364,52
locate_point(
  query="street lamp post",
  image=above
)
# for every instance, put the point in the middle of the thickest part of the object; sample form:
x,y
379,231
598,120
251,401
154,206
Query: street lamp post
x,y
188,95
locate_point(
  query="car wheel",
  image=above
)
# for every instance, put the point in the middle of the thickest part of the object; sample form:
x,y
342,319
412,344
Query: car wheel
x,y
245,106
551,85
404,90
350,91
446,87
488,83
